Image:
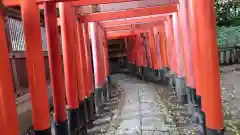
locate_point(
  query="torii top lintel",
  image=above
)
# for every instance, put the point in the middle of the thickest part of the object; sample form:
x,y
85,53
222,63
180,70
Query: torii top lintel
x,y
137,12
75,2
135,20
134,26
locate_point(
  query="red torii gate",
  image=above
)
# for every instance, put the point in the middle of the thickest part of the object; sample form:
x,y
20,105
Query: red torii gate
x,y
202,42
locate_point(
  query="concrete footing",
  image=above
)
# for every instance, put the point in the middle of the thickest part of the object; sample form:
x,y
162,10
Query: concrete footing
x,y
106,92
83,118
172,80
73,121
90,111
98,99
214,132
163,76
181,89
60,128
43,132
148,74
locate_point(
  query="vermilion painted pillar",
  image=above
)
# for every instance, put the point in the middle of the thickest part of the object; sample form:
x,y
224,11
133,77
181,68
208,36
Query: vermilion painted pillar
x,y
153,49
101,46
180,60
130,50
70,66
148,51
157,48
106,65
187,45
55,65
35,67
90,71
187,50
126,48
101,38
131,38
196,64
171,51
88,74
195,60
8,112
163,53
178,46
96,66
171,44
143,54
134,54
142,58
160,49
140,51
137,52
89,57
168,45
163,49
208,58
107,71
82,74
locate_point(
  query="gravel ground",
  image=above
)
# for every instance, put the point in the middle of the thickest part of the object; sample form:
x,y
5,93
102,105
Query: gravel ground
x,y
230,87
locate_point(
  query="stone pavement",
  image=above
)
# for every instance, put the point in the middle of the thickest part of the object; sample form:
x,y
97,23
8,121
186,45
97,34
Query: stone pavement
x,y
148,109
140,112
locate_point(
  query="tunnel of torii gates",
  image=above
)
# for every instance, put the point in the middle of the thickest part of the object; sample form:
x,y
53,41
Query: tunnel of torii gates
x,y
179,38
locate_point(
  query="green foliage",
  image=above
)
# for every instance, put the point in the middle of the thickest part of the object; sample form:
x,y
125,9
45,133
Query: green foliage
x,y
228,36
227,12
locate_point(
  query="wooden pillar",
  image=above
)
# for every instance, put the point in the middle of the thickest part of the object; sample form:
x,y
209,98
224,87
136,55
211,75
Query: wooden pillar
x,y
70,66
171,47
208,58
187,51
55,64
178,46
180,78
104,68
107,72
88,57
106,65
153,49
186,42
35,67
96,53
89,75
8,112
82,73
157,48
148,51
196,64
195,60
101,52
163,48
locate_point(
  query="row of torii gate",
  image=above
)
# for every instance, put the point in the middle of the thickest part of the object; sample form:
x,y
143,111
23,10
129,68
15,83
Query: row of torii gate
x,y
182,38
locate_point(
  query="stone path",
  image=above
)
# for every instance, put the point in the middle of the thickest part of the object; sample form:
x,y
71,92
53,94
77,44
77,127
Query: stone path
x,y
141,110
